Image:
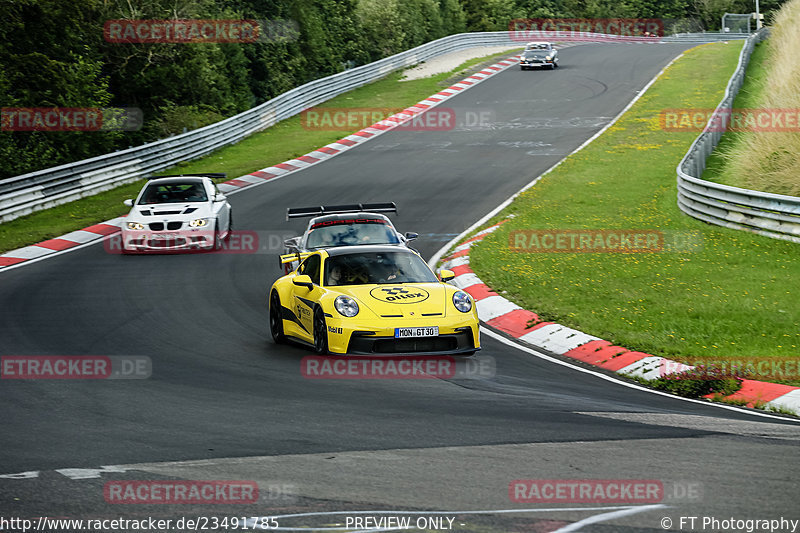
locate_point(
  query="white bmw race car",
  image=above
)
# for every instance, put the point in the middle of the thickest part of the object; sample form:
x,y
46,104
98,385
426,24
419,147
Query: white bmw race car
x,y
176,213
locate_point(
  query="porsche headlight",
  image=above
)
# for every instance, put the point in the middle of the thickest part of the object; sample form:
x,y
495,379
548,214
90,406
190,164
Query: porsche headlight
x,y
198,223
135,225
462,301
346,306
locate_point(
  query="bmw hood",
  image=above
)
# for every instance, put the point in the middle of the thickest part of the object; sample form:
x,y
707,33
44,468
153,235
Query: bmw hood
x,y
176,211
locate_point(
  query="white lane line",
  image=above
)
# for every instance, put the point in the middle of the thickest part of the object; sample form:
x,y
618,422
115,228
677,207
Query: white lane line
x,y
22,475
576,526
90,473
535,353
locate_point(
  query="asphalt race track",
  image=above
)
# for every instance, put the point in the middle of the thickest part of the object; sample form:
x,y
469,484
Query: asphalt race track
x,y
235,405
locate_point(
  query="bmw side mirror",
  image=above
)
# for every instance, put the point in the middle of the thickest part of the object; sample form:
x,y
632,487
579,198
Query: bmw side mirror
x,y
220,197
410,235
128,202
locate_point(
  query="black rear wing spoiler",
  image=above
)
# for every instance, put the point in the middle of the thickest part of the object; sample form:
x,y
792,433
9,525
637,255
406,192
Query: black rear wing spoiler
x,y
318,210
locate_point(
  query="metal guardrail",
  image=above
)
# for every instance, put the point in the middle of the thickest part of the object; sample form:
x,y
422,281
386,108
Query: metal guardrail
x,y
38,190
771,215
704,37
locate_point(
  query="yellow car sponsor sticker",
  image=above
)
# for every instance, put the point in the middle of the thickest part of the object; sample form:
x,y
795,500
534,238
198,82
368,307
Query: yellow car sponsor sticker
x,y
399,295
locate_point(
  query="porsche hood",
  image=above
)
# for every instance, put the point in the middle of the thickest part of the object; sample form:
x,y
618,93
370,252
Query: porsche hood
x,y
407,300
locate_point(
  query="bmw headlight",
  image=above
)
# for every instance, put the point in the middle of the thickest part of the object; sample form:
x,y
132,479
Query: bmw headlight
x,y
548,57
135,225
346,306
462,301
198,223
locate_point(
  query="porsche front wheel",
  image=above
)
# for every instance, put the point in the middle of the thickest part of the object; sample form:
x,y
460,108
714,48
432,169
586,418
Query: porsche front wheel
x,y
320,333
276,319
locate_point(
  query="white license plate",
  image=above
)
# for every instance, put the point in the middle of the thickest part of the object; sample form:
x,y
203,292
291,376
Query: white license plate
x,y
163,236
401,333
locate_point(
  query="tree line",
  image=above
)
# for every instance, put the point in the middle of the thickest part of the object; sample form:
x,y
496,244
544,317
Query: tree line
x,y
54,54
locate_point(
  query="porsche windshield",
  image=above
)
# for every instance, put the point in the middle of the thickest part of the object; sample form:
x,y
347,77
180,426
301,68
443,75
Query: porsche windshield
x,y
170,193
343,233
377,267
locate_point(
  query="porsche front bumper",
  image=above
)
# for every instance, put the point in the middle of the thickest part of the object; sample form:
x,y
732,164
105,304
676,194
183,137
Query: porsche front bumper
x,y
457,335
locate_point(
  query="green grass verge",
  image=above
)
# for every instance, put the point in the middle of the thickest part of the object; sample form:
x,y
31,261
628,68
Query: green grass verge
x,y
286,140
691,388
733,297
749,97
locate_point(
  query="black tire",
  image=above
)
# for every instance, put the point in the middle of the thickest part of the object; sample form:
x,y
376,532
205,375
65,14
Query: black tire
x,y
275,319
122,248
217,238
320,333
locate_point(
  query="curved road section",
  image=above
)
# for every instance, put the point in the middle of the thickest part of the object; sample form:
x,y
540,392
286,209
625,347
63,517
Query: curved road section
x,y
222,402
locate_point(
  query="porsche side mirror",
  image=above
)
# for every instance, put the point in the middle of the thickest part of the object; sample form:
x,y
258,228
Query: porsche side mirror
x,y
303,280
410,235
446,275
128,202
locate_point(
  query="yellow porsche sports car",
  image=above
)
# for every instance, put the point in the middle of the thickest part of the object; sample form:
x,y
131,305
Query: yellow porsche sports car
x,y
372,299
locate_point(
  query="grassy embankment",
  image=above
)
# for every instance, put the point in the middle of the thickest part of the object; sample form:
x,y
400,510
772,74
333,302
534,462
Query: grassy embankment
x,y
730,298
767,160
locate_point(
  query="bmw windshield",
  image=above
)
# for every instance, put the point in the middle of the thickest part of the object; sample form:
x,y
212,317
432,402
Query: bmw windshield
x,y
171,193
